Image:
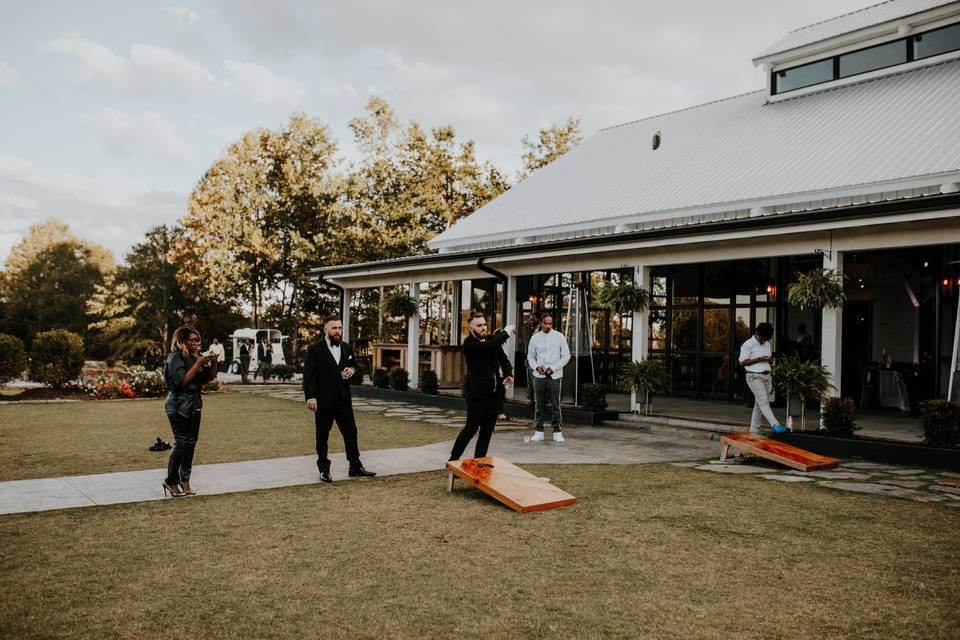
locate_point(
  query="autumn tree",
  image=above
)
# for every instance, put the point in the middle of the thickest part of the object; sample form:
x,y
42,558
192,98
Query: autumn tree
x,y
48,278
551,143
261,217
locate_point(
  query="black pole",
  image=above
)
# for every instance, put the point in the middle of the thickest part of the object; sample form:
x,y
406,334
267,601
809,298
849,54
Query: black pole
x,y
343,294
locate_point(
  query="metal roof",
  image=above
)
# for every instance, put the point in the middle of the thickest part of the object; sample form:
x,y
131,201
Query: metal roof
x,y
740,151
850,22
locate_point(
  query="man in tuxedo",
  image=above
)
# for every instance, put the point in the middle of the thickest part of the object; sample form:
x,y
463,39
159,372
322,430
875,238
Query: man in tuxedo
x,y
326,387
264,357
485,358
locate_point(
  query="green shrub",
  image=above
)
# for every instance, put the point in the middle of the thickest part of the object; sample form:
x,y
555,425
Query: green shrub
x,y
817,289
623,298
13,358
839,418
282,372
399,379
381,379
593,397
940,420
56,358
429,382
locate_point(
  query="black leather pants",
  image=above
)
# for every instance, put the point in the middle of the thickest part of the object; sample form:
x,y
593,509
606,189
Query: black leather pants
x,y
186,430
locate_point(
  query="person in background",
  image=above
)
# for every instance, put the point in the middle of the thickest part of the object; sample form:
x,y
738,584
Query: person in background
x,y
244,360
185,372
547,353
756,355
216,349
264,356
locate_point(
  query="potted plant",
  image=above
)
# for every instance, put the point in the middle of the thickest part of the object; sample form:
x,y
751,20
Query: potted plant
x,y
817,289
838,417
623,298
399,304
646,377
805,380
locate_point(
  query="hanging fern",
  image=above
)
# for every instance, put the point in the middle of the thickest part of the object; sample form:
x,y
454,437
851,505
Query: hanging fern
x,y
818,289
623,298
399,304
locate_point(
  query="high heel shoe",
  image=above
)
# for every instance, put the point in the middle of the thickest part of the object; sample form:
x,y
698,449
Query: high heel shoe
x,y
187,491
173,490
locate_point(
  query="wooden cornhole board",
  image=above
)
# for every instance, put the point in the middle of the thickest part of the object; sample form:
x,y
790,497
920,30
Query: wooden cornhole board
x,y
776,451
508,483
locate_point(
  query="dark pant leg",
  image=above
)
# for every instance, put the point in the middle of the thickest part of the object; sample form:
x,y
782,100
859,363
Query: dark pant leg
x,y
553,394
466,434
488,422
193,433
539,401
323,420
343,414
180,426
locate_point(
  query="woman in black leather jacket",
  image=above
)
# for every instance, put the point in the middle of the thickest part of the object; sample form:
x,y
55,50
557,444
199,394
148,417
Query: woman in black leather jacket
x,y
185,372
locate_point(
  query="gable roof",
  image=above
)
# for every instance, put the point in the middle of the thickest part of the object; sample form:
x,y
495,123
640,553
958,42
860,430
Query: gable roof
x,y
850,22
737,152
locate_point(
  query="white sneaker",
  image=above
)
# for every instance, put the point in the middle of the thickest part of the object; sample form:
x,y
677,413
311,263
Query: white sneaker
x,y
537,436
558,437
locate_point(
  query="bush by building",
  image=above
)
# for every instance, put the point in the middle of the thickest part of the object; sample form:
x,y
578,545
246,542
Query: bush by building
x,y
381,379
593,397
399,379
429,382
940,420
56,358
839,417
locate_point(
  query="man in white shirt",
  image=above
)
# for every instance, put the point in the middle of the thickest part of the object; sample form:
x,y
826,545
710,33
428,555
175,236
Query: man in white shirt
x,y
546,355
216,349
755,357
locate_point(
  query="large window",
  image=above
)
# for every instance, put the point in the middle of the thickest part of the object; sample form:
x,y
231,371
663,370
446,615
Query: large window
x,y
888,54
700,315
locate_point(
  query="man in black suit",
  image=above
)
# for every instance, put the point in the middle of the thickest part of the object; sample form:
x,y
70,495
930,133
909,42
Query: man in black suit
x,y
485,358
326,387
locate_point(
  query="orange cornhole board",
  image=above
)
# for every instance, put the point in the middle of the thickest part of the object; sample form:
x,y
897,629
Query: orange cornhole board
x,y
508,483
776,451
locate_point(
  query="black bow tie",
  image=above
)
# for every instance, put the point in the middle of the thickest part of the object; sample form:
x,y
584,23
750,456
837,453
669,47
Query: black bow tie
x,y
334,344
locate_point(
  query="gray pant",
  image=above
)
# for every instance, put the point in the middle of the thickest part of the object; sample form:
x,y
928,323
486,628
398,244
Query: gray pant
x,y
544,390
761,385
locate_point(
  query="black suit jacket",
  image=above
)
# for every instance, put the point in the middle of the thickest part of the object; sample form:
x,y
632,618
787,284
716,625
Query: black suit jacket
x,y
263,355
485,359
321,374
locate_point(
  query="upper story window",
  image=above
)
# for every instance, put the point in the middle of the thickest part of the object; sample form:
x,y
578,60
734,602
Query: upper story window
x,y
881,56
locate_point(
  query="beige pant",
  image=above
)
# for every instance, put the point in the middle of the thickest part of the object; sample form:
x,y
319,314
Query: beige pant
x,y
761,385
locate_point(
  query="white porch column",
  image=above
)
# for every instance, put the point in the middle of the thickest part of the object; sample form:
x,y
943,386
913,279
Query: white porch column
x,y
832,327
413,340
641,327
510,346
455,314
345,319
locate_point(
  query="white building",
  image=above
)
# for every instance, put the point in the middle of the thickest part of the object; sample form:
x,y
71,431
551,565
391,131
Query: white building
x,y
848,159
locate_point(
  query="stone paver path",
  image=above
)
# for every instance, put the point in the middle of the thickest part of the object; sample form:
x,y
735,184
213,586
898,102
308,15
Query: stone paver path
x,y
859,477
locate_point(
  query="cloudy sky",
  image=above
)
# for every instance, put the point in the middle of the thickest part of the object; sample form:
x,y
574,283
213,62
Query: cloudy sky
x,y
111,111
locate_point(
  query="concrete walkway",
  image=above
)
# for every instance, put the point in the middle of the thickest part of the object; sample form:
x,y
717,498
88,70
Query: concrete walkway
x,y
588,445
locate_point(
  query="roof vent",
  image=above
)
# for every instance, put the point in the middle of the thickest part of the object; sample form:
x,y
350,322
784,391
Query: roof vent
x,y
656,141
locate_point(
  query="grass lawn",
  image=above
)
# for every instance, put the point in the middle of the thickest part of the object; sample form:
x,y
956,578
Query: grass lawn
x,y
43,440
650,551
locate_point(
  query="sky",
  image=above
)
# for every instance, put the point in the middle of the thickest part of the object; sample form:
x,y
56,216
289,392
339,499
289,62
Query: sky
x,y
110,112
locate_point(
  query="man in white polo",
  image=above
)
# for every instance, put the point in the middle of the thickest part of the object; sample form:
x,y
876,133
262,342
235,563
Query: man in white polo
x,y
755,357
546,355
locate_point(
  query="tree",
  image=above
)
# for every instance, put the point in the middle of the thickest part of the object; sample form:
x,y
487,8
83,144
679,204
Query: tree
x,y
51,291
551,143
257,220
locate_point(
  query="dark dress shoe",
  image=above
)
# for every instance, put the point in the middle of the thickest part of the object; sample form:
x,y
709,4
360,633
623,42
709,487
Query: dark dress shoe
x,y
325,476
360,472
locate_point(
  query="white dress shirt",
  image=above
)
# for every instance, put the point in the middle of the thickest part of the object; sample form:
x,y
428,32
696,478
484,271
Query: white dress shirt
x,y
550,351
334,349
753,349
217,350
